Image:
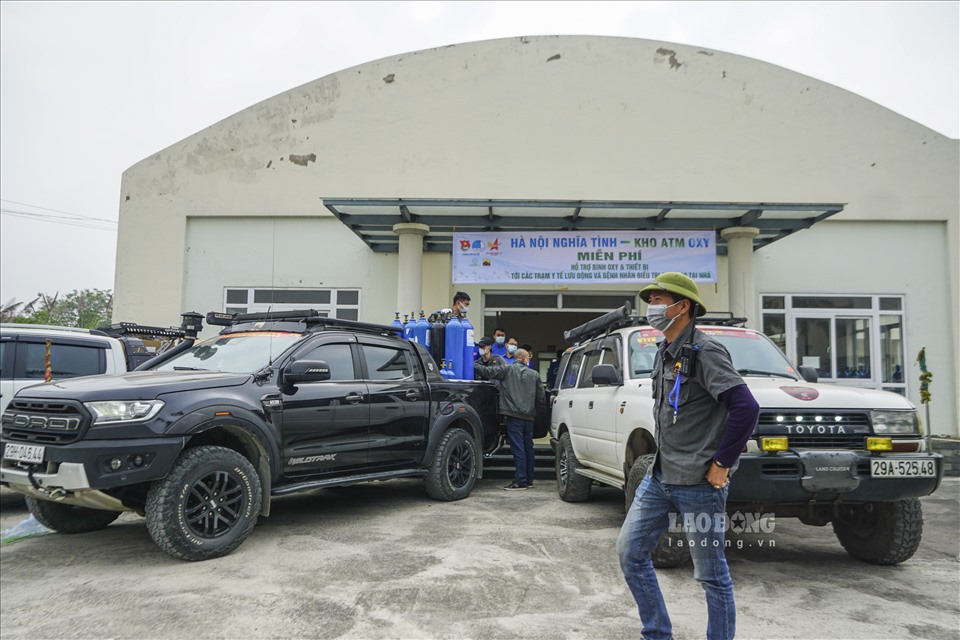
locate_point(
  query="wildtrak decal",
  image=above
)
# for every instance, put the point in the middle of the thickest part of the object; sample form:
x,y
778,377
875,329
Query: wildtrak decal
x,y
329,457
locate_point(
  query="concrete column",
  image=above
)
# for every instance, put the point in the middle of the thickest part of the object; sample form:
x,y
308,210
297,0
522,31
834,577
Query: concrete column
x,y
410,266
743,294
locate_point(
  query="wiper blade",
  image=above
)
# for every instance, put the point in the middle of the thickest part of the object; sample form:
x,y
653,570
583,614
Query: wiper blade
x,y
189,369
757,372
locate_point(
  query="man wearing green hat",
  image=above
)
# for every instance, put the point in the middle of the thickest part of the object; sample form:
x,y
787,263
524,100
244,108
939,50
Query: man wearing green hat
x,y
704,414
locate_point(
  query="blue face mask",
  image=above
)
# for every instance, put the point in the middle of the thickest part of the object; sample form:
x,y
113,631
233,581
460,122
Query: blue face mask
x,y
511,348
501,339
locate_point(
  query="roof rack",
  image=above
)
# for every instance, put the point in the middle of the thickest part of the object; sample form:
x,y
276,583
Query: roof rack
x,y
140,330
310,317
606,323
623,317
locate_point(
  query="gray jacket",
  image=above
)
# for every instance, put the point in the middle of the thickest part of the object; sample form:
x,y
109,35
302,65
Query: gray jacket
x,y
519,387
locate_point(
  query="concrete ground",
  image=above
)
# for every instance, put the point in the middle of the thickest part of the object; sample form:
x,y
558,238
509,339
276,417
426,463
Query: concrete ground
x,y
384,561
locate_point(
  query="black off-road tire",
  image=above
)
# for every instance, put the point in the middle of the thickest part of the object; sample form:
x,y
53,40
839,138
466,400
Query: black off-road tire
x,y
453,470
67,518
672,550
180,512
880,532
571,486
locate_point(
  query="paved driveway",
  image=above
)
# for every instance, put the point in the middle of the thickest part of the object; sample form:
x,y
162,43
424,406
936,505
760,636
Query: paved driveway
x,y
384,561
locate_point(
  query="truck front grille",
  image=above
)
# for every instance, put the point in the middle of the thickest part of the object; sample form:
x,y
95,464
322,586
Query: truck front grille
x,y
44,422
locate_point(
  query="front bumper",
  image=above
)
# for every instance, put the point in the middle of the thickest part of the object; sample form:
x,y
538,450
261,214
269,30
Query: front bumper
x,y
86,464
801,477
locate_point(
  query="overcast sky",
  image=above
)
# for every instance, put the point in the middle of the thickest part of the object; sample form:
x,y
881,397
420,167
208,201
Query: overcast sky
x,y
89,89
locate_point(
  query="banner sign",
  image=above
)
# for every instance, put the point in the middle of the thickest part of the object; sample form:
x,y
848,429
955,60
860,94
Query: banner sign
x,y
582,257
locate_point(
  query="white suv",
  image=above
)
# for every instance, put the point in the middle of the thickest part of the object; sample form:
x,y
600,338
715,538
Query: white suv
x,y
73,352
821,452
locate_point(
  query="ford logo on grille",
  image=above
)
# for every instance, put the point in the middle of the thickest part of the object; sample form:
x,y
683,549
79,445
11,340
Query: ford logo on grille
x,y
55,423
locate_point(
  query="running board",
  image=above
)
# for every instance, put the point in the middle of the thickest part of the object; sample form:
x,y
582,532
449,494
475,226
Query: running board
x,y
599,477
339,482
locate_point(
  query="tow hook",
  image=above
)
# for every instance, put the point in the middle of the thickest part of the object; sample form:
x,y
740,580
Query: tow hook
x,y
54,493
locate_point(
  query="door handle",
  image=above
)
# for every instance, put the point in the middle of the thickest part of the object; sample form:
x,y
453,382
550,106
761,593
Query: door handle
x,y
590,405
570,405
354,398
412,394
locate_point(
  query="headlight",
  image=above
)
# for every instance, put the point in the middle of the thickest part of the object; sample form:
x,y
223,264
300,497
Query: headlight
x,y
894,421
123,411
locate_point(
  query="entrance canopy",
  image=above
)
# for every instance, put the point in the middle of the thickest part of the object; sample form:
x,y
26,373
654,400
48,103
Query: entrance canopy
x,y
373,219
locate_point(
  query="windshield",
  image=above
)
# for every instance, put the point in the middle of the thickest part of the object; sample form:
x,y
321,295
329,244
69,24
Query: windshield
x,y
233,352
752,353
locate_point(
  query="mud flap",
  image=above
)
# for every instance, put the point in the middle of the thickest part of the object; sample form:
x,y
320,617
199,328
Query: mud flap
x,y
834,471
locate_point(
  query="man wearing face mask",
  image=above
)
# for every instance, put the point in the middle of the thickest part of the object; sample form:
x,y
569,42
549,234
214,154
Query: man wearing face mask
x,y
512,347
461,302
485,357
499,342
704,414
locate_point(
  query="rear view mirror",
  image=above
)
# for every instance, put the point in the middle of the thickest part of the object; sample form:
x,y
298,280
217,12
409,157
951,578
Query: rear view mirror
x,y
605,374
808,373
306,371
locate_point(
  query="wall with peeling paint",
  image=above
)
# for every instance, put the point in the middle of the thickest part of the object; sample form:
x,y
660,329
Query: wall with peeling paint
x,y
566,117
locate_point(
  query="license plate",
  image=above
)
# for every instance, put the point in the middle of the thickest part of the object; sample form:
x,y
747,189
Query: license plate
x,y
883,468
23,453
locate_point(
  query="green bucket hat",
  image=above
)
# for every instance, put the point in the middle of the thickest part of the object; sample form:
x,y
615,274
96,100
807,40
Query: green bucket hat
x,y
678,284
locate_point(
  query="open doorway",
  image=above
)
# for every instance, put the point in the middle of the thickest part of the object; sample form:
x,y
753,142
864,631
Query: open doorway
x,y
539,318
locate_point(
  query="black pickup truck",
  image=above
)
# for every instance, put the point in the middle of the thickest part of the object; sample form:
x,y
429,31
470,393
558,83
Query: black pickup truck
x,y
198,439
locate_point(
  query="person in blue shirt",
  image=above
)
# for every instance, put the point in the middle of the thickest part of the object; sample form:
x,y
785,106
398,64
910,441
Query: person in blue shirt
x,y
499,347
511,351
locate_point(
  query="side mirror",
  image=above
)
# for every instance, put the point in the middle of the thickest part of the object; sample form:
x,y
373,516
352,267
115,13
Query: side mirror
x,y
605,374
306,371
809,374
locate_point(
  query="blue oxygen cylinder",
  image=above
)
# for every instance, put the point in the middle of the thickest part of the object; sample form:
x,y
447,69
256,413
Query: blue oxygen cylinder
x,y
445,372
421,331
396,322
453,350
466,363
407,327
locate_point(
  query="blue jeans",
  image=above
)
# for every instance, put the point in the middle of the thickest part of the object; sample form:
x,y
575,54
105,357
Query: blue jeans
x,y
520,433
647,520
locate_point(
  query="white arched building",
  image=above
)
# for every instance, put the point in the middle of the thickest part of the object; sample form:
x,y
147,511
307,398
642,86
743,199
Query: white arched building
x,y
835,218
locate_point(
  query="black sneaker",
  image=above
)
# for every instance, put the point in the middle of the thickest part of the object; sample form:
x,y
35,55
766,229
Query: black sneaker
x,y
513,486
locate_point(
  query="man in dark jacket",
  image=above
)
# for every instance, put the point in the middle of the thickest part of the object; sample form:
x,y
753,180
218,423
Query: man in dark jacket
x,y
519,390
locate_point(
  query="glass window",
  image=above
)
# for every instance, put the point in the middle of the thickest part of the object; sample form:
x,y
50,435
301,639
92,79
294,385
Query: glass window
x,y
891,304
775,328
853,348
291,296
643,354
234,352
236,296
520,300
386,363
347,314
891,348
572,370
832,302
773,302
66,361
348,297
591,360
575,301
814,340
338,357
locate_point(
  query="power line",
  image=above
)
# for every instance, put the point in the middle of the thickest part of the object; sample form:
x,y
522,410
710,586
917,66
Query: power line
x,y
78,215
70,222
